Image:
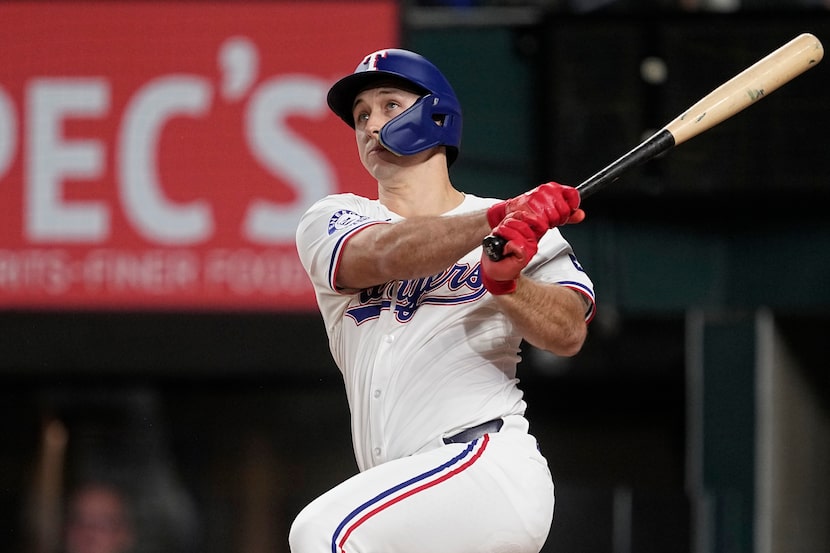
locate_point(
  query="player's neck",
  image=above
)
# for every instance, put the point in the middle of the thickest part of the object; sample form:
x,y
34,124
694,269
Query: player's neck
x,y
419,193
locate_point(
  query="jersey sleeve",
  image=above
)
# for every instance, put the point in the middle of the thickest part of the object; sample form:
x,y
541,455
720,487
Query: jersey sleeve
x,y
324,230
556,263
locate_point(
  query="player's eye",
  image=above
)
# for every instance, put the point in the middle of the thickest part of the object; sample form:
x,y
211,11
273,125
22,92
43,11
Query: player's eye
x,y
361,117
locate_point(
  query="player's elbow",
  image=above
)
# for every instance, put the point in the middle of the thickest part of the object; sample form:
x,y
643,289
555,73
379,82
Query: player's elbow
x,y
573,340
565,342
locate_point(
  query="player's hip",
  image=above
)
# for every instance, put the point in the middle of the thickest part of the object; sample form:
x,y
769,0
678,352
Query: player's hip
x,y
500,476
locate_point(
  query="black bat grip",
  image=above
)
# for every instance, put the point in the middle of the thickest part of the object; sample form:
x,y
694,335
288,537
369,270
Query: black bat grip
x,y
650,148
494,247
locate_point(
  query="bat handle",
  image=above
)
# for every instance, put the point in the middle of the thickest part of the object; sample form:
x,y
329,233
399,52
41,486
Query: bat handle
x,y
494,247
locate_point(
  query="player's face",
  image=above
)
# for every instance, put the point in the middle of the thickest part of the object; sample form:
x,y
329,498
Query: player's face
x,y
373,108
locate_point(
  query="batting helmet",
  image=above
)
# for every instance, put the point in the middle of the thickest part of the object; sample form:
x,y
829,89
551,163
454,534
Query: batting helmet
x,y
433,120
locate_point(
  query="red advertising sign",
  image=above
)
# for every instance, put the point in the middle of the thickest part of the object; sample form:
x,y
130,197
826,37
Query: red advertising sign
x,y
158,155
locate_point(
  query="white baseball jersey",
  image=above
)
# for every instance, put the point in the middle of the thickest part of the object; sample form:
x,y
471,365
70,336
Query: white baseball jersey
x,y
425,358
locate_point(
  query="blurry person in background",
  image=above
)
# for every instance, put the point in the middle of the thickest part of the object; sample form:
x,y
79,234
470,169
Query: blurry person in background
x,y
98,520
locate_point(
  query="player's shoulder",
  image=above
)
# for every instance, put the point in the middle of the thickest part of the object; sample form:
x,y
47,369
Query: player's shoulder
x,y
338,212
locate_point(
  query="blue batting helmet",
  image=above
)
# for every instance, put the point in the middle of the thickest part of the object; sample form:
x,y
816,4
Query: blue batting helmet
x,y
433,120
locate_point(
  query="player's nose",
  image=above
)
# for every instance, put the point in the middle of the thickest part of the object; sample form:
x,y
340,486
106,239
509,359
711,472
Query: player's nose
x,y
375,123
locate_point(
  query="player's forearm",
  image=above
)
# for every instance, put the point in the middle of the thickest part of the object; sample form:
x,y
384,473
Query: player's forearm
x,y
413,248
549,316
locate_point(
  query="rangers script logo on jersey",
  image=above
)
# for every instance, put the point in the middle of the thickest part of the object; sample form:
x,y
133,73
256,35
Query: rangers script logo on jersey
x,y
458,284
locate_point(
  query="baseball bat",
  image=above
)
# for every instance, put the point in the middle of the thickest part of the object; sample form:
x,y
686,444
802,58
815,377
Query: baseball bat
x,y
744,89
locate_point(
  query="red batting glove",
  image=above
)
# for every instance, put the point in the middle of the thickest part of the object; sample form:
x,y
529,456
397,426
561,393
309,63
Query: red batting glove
x,y
499,277
557,203
534,221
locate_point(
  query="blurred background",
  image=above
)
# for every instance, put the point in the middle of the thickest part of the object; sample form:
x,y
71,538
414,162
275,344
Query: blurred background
x,y
160,346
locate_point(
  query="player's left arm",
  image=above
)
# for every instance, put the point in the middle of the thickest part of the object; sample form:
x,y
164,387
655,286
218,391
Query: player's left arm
x,y
549,316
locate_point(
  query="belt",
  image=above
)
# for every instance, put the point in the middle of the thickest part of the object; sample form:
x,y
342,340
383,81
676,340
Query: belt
x,y
475,432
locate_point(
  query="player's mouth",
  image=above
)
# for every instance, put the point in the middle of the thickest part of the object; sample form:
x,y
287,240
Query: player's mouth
x,y
376,148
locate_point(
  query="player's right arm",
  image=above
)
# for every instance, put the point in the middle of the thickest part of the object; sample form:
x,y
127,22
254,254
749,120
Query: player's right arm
x,y
347,243
423,246
412,248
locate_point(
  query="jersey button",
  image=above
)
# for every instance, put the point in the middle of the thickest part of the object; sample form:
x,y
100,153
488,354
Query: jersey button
x,y
388,338
377,451
376,394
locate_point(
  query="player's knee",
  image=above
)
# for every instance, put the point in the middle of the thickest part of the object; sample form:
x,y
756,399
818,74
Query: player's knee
x,y
308,534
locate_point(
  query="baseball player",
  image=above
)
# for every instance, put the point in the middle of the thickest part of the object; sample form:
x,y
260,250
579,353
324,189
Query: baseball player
x,y
426,330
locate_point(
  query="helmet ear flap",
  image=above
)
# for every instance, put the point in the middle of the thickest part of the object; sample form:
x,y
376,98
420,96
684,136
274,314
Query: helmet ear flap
x,y
425,124
411,131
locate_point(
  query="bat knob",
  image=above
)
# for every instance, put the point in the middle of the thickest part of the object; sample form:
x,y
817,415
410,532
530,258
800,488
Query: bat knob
x,y
494,247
